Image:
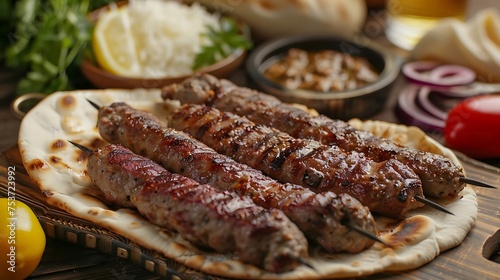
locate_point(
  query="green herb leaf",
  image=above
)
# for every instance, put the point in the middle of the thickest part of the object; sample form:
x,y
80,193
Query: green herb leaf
x,y
222,43
47,40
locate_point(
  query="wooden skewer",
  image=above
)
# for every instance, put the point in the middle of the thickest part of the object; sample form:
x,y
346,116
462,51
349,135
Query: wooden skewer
x,y
362,232
299,260
419,198
461,179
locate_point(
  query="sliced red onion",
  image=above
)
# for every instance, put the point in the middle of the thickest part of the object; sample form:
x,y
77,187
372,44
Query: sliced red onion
x,y
470,90
455,91
411,114
452,75
432,74
416,71
425,103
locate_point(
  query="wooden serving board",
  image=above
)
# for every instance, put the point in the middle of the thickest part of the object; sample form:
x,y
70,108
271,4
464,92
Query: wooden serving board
x,y
476,258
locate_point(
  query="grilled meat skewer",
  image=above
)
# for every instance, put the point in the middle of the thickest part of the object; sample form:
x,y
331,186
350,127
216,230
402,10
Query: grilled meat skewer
x,y
387,188
440,176
202,215
326,218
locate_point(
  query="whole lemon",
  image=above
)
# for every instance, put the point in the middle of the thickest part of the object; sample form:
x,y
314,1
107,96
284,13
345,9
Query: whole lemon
x,y
22,240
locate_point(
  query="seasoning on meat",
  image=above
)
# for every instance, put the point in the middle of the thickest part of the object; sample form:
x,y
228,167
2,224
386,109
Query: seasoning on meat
x,y
387,188
322,217
439,175
322,71
202,215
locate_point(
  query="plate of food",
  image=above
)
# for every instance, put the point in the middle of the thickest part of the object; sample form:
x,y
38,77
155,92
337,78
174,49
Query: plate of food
x,y
250,209
150,44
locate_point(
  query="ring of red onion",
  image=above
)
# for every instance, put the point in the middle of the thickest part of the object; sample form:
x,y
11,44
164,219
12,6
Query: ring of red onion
x,y
424,102
452,75
411,114
433,74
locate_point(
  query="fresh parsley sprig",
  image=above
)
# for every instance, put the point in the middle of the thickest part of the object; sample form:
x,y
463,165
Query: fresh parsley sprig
x,y
47,43
222,42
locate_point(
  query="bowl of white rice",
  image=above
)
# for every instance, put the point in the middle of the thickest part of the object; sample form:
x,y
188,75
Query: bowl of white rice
x,y
167,36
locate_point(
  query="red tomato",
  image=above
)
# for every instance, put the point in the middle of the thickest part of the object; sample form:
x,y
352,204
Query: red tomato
x,y
473,127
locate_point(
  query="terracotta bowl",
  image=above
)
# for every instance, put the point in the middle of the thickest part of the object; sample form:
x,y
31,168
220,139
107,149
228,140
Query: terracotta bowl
x,y
104,79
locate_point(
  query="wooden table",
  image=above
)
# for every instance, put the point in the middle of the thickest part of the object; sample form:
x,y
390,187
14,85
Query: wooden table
x,y
65,259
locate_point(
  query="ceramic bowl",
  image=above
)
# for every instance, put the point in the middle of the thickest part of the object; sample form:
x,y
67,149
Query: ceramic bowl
x,y
361,102
104,79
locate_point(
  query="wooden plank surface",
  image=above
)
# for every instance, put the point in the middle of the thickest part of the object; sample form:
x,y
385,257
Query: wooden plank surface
x,y
463,262
64,259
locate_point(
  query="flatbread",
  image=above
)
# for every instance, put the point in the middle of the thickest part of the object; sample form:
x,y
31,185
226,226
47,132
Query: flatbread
x,y
278,18
475,44
60,172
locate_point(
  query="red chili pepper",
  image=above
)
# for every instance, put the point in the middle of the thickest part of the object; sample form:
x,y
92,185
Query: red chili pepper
x,y
473,127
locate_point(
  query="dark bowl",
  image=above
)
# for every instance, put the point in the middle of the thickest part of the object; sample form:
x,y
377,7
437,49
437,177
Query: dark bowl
x,y
361,102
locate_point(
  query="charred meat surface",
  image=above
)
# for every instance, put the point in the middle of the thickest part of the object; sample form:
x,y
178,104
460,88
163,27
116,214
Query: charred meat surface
x,y
321,217
202,215
387,188
439,175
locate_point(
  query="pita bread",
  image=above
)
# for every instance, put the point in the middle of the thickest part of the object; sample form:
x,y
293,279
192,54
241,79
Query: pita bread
x,y
60,172
271,19
476,44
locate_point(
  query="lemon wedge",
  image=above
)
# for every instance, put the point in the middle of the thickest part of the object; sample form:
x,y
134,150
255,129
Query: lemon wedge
x,y
113,44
